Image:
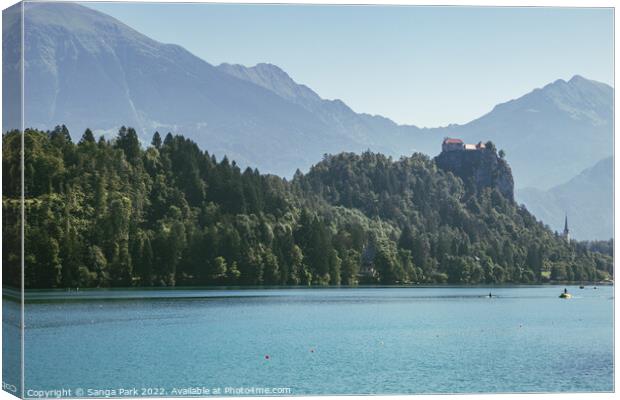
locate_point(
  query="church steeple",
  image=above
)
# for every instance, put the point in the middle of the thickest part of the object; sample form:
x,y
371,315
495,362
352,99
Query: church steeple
x,y
566,233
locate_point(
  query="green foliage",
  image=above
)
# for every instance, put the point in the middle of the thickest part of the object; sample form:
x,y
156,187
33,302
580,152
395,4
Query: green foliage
x,y
110,213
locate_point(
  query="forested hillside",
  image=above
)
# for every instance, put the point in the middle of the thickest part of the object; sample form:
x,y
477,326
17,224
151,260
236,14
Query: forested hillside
x,y
103,213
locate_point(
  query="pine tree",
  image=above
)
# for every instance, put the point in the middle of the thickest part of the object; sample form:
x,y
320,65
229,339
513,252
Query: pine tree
x,y
156,142
87,137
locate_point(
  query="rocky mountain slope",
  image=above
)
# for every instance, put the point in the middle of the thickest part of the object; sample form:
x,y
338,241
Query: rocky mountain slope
x,y
479,169
86,69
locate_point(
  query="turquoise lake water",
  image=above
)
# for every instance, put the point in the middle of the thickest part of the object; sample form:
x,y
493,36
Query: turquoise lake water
x,y
322,341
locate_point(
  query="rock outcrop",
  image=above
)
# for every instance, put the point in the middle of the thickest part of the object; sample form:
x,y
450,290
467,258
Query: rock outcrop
x,y
479,169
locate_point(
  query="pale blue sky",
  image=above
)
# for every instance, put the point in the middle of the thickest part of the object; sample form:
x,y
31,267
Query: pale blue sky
x,y
427,66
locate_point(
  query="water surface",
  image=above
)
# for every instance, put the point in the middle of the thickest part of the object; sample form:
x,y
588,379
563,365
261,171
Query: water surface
x,y
323,341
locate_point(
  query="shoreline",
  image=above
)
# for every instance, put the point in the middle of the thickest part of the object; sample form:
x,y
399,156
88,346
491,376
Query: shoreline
x,y
152,293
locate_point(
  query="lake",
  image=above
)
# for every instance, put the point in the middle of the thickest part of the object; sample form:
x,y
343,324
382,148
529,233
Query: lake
x,y
319,341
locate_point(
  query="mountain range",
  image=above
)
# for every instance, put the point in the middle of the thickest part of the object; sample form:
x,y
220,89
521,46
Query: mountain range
x,y
587,201
86,69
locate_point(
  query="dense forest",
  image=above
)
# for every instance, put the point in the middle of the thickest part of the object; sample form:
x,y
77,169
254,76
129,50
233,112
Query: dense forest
x,y
111,213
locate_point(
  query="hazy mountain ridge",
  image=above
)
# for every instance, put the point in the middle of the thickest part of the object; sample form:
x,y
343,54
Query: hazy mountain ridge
x,y
587,199
569,124
81,62
565,118
364,128
275,79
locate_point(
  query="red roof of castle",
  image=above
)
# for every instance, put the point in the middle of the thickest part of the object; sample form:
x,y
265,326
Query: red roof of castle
x,y
452,141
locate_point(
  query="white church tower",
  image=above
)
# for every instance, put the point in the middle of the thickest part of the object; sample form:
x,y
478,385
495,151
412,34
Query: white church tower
x,y
566,233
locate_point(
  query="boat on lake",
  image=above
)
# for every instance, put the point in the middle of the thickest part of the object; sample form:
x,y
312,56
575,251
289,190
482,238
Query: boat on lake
x,y
565,294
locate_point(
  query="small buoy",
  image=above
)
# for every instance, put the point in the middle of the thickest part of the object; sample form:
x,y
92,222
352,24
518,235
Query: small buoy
x,y
311,350
267,357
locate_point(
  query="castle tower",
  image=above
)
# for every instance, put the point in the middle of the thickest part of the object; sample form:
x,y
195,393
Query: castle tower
x,y
566,233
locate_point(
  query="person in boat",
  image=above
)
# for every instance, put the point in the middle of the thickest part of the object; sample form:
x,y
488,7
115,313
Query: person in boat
x,y
565,291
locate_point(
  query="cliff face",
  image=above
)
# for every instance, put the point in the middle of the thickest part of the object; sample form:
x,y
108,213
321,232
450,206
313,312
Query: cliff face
x,y
480,168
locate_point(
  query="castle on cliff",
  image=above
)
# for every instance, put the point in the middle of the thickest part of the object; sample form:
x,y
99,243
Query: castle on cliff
x,y
453,144
478,165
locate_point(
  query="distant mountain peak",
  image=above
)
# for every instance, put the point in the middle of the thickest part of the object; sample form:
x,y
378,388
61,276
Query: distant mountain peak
x,y
574,82
268,67
273,78
74,17
579,97
578,78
